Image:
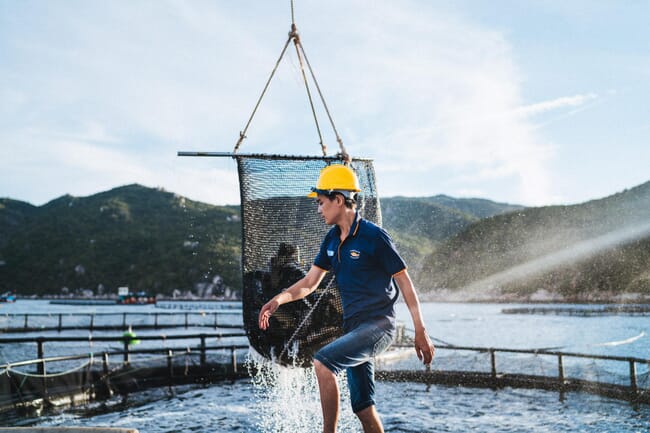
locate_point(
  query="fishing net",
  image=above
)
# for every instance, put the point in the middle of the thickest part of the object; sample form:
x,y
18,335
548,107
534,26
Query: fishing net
x,y
282,232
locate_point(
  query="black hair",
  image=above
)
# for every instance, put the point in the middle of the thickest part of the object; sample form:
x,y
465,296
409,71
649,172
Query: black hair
x,y
350,202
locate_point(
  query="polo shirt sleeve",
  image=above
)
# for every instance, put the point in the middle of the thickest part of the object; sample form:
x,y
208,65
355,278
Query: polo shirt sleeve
x,y
388,256
322,260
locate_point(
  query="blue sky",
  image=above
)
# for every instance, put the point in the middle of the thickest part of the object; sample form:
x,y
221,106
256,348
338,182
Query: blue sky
x,y
535,103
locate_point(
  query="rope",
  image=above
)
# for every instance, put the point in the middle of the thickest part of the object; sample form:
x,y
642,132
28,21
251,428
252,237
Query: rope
x,y
242,134
62,373
306,318
300,52
344,153
296,42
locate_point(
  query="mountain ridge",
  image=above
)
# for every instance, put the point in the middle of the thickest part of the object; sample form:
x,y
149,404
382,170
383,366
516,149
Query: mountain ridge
x,y
156,240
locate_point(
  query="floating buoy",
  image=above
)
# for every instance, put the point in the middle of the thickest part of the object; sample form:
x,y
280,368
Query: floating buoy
x,y
130,337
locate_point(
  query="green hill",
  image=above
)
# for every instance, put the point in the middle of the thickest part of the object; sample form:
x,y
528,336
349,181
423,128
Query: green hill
x,y
588,251
13,215
144,238
476,207
418,224
150,239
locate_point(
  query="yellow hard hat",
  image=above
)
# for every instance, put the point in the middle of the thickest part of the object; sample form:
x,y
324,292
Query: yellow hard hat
x,y
336,178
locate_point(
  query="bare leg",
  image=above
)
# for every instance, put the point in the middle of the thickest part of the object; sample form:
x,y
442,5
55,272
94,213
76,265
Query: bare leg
x,y
329,396
370,420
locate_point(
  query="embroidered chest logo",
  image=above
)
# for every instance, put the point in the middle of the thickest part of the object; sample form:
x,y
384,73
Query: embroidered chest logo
x,y
355,254
330,253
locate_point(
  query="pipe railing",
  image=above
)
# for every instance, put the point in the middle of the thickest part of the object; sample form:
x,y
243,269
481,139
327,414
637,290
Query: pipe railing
x,y
201,346
126,340
122,320
91,357
561,356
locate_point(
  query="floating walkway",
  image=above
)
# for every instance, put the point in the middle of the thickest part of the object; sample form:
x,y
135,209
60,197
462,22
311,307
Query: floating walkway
x,y
79,379
628,310
33,322
182,359
610,376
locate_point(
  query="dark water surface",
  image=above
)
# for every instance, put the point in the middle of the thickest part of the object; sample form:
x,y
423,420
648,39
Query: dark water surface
x,y
292,404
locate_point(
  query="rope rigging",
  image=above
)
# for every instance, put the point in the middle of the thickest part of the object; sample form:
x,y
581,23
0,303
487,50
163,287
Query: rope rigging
x,y
300,52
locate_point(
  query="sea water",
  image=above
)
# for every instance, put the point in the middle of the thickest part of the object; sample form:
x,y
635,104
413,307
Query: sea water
x,y
286,400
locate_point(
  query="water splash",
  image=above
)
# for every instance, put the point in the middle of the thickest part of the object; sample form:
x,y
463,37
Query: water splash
x,y
486,287
287,399
622,342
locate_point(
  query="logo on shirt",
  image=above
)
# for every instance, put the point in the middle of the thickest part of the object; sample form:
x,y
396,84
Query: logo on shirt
x,y
354,254
330,253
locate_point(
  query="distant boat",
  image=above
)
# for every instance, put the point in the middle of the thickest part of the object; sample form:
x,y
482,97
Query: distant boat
x,y
138,298
8,297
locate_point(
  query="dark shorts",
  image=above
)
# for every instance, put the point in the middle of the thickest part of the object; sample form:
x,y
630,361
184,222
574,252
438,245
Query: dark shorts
x,y
354,352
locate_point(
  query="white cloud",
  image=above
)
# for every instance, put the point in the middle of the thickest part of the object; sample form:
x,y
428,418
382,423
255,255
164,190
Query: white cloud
x,y
419,90
554,104
439,93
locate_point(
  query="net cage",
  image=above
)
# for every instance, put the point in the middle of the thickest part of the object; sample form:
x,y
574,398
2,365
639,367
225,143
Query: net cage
x,y
282,233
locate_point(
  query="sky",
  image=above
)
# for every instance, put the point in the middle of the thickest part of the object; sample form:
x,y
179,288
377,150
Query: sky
x,y
535,103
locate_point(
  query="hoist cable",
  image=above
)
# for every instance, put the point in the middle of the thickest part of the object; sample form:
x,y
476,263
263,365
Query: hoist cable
x,y
300,52
344,153
296,42
242,134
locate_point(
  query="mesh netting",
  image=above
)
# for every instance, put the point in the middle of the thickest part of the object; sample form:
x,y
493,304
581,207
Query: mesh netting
x,y
282,232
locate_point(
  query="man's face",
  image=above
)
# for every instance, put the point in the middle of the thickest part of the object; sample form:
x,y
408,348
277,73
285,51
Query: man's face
x,y
327,208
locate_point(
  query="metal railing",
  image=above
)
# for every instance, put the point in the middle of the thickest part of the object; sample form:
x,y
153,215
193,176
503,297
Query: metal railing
x,y
561,381
126,340
25,385
495,372
29,322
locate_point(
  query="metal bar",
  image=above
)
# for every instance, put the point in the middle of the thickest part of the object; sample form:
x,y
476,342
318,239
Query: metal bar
x,y
126,351
121,338
169,313
213,154
202,350
633,384
493,362
560,373
40,355
264,156
537,352
117,352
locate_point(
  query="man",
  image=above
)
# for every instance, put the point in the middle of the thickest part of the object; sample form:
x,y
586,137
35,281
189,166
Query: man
x,y
366,264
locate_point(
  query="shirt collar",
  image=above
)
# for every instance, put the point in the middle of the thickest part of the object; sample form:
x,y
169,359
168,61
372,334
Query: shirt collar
x,y
355,225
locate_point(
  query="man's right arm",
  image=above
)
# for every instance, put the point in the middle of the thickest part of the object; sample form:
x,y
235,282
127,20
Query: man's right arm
x,y
296,291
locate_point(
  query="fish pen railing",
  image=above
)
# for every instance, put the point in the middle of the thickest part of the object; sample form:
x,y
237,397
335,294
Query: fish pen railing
x,y
207,358
127,341
80,378
30,322
620,377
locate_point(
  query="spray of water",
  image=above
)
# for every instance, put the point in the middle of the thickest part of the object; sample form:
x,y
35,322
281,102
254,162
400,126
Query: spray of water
x,y
287,399
488,287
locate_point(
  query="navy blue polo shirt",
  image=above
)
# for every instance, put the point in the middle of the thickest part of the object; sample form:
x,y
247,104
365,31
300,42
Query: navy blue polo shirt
x,y
364,265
